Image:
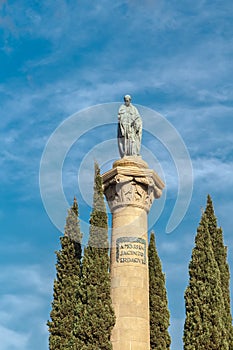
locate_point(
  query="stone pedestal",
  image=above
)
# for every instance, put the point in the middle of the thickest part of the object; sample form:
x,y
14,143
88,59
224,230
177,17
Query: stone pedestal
x,y
130,188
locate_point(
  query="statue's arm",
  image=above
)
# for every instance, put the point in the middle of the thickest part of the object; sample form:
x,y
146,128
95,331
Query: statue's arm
x,y
121,122
137,121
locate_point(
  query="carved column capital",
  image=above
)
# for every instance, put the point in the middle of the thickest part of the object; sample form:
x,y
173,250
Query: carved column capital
x,y
131,185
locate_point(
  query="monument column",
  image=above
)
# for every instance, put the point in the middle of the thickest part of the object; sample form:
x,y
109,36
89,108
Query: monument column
x,y
130,188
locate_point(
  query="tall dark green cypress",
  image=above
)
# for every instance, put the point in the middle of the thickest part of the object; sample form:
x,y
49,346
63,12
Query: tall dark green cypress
x,y
66,284
220,253
204,324
159,314
96,316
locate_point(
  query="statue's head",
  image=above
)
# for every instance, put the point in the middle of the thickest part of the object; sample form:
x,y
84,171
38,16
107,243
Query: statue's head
x,y
127,99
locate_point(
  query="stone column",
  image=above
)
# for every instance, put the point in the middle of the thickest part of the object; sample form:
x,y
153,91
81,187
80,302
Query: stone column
x,y
130,188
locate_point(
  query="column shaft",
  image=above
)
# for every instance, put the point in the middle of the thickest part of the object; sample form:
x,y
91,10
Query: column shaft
x,y
129,279
130,188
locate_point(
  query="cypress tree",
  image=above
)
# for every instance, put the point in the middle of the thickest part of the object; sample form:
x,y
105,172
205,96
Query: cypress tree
x,y
96,316
220,253
66,284
204,324
159,314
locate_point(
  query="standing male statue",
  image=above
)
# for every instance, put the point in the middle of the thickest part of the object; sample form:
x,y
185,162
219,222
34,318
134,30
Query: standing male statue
x,y
129,129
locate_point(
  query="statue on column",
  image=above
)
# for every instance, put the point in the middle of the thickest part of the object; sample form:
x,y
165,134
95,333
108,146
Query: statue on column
x,y
129,129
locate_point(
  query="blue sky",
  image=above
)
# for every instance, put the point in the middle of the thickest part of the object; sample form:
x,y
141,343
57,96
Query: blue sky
x,y
61,57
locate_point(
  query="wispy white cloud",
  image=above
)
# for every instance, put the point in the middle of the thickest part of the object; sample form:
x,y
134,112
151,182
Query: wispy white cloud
x,y
24,277
24,306
13,340
170,57
14,308
212,175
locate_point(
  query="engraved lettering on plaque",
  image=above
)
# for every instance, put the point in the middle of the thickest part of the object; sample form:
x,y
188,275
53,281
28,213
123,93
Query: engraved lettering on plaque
x,y
131,250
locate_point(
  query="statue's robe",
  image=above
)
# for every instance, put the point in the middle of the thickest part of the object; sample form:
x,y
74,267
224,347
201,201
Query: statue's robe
x,y
129,131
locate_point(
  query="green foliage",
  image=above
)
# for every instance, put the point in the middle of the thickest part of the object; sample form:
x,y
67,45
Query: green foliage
x,y
66,284
99,219
204,324
220,254
159,314
96,316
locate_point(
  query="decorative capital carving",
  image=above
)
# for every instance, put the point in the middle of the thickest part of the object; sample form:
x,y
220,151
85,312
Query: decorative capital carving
x,y
131,185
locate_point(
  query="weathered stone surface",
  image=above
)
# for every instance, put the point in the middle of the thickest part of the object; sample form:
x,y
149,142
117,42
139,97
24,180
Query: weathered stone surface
x,y
131,183
129,131
130,188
